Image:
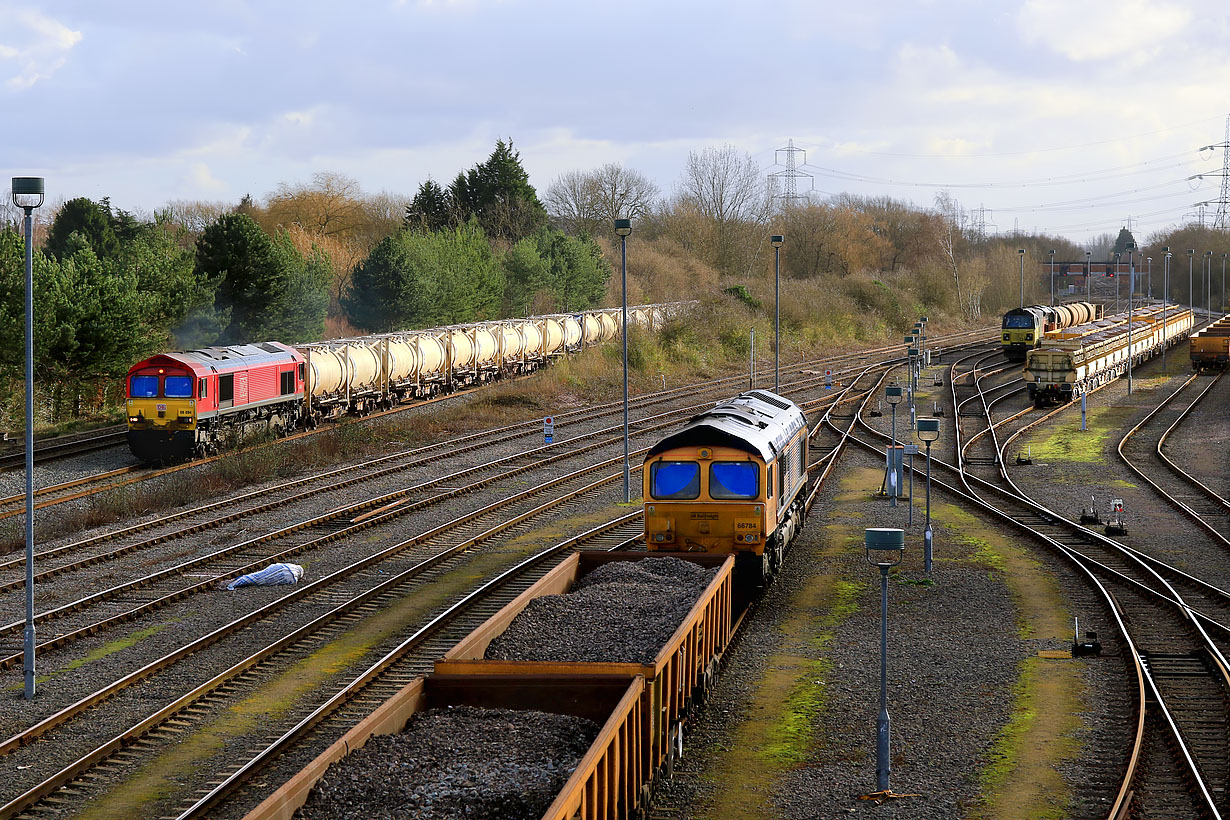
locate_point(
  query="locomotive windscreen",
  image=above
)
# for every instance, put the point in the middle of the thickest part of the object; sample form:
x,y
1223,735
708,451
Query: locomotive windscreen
x,y
1020,320
734,479
675,479
143,387
177,387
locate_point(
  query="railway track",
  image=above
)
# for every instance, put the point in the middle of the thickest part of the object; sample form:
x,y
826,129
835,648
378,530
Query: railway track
x,y
124,751
347,593
52,495
13,457
1175,627
1142,449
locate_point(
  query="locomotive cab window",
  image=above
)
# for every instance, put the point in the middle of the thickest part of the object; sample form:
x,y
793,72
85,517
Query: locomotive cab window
x,y
143,387
203,388
177,387
734,479
674,480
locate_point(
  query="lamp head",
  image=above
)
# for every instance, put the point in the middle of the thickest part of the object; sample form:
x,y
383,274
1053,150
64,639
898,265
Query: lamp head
x,y
1165,249
28,192
777,240
1131,246
884,546
623,227
1190,251
907,340
1052,253
928,430
1021,251
923,320
912,352
893,394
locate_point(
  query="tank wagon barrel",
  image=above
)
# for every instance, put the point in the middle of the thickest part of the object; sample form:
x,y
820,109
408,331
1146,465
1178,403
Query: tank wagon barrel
x,y
188,403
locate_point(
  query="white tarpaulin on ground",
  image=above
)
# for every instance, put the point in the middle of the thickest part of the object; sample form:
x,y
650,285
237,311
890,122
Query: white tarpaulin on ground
x,y
270,576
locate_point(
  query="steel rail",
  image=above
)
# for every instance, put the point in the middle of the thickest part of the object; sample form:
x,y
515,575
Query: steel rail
x,y
24,801
1181,474
60,447
1171,595
1123,797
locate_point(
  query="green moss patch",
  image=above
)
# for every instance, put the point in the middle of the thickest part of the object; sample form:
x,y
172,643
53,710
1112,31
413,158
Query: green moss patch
x,y
1021,782
1065,441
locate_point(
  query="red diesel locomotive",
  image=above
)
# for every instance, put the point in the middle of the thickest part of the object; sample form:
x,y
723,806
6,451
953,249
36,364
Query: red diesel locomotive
x,y
185,404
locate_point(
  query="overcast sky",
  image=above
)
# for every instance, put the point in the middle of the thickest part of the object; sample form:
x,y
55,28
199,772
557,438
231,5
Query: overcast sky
x,y
995,100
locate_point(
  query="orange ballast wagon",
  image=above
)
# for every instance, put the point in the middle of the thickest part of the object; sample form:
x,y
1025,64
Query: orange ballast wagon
x,y
607,783
682,671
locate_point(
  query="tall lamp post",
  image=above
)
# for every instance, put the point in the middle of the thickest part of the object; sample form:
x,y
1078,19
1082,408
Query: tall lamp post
x,y
28,195
928,433
893,395
1191,284
1052,279
1149,275
1165,298
777,241
1208,286
1116,281
1021,253
1088,273
623,227
884,548
1131,249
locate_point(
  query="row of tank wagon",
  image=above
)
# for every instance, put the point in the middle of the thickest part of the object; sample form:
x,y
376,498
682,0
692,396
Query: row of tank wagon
x,y
367,372
1210,346
1024,328
1076,360
189,403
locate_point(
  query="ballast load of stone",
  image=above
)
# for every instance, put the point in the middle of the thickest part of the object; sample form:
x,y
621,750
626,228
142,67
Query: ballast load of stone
x,y
620,612
463,761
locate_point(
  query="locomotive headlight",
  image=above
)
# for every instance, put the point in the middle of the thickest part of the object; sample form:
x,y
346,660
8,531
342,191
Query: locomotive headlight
x,y
757,511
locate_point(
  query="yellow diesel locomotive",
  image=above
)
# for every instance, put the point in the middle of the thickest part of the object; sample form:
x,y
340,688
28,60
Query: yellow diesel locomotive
x,y
732,480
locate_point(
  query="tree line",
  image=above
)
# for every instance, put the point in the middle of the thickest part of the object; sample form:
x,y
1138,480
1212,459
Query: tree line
x,y
324,259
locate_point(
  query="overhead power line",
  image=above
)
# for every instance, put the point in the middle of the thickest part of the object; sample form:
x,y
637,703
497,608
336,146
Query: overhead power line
x,y
1030,152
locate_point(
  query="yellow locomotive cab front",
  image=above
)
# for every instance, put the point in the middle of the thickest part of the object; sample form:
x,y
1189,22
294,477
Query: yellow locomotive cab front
x,y
705,501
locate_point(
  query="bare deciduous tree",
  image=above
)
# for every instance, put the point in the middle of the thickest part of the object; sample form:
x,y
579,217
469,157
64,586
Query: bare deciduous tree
x,y
590,200
723,194
951,239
